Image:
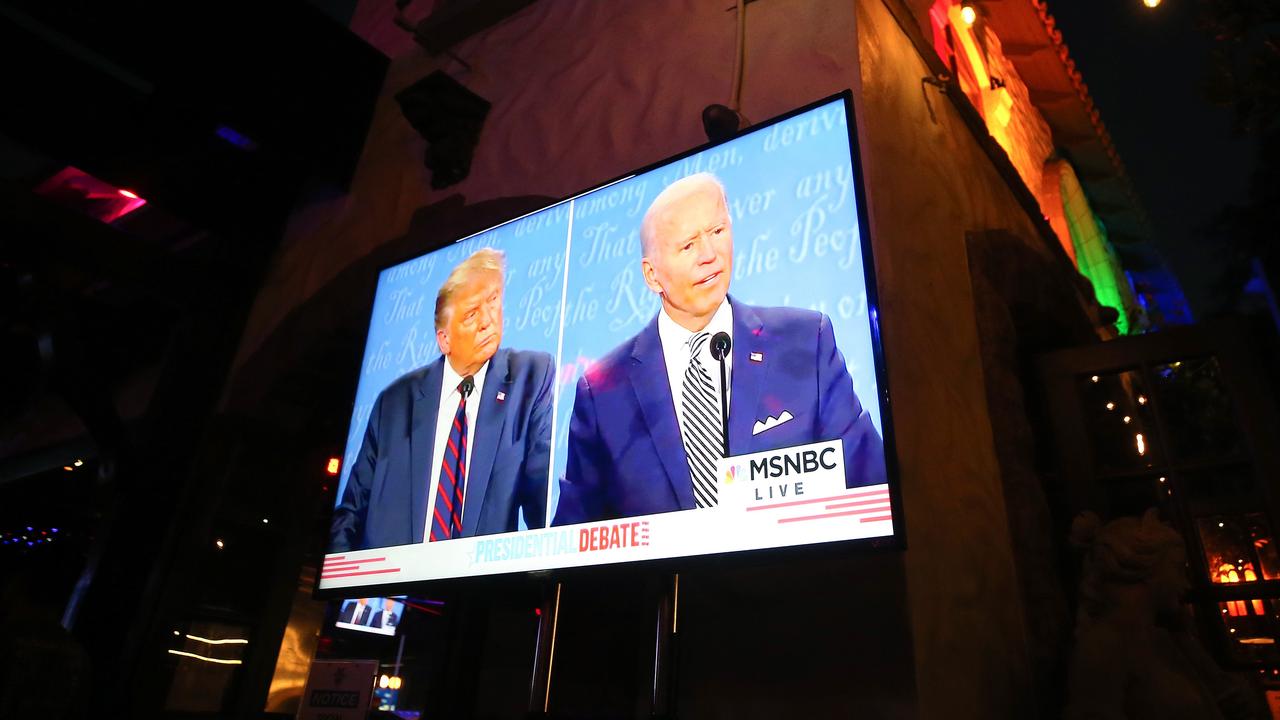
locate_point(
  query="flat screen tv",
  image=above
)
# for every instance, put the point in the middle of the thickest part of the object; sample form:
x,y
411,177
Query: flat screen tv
x,y
682,362
380,616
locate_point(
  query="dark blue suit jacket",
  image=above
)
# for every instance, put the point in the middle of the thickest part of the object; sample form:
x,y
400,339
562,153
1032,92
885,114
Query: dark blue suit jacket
x,y
376,621
626,456
385,501
348,614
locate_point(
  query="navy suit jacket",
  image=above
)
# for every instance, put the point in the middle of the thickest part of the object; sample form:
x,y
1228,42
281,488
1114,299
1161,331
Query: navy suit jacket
x,y
376,621
385,501
626,456
348,614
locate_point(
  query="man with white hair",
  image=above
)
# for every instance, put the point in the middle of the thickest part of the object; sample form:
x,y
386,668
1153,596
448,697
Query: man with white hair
x,y
460,447
647,424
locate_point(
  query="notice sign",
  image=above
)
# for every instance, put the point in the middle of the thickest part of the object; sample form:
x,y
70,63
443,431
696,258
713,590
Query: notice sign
x,y
338,690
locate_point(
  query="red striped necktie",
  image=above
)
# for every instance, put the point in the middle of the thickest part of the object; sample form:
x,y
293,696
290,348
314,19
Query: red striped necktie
x,y
446,522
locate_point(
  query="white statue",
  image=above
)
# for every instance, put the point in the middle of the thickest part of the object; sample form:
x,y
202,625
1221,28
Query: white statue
x,y
1135,657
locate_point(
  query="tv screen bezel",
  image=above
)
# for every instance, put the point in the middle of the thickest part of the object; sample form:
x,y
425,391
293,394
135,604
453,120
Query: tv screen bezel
x,y
894,542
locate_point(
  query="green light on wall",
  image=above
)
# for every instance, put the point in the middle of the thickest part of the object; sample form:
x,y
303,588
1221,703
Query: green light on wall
x,y
1094,256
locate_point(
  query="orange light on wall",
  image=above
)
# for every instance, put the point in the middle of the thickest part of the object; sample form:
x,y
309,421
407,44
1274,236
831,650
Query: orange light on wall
x,y
993,99
334,465
988,77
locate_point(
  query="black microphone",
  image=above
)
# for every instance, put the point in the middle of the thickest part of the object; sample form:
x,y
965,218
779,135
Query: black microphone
x,y
468,384
720,344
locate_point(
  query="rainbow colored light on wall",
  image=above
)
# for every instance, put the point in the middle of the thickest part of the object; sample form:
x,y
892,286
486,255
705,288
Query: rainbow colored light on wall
x,y
1094,255
976,58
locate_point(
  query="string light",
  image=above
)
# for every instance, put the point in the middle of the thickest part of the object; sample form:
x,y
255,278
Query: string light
x,y
970,16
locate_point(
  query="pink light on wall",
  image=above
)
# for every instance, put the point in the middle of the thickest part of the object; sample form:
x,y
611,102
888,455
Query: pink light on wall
x,y
100,200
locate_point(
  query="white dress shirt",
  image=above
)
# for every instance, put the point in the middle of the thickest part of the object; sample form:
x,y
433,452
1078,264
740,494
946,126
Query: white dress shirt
x,y
449,398
675,350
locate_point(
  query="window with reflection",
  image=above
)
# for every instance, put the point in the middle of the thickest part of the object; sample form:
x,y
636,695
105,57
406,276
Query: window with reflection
x,y
1120,420
1197,410
207,659
1239,548
1135,495
1250,629
1212,487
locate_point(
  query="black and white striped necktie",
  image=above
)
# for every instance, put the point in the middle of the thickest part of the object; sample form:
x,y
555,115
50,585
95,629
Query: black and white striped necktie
x,y
700,424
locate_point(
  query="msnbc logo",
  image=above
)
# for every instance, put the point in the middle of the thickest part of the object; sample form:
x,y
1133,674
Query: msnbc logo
x,y
730,473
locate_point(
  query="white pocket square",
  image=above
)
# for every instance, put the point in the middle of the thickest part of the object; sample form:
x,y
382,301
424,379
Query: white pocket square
x,y
772,422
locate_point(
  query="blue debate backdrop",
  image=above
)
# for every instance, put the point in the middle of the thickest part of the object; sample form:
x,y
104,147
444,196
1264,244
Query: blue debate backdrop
x,y
402,335
797,243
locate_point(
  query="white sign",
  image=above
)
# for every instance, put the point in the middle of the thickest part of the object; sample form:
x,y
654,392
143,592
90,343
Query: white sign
x,y
338,690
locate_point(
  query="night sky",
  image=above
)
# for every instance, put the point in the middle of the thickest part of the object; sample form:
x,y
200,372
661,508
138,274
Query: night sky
x,y
1146,70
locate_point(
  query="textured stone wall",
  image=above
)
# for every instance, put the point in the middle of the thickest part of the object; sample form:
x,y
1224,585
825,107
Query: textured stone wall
x,y
932,185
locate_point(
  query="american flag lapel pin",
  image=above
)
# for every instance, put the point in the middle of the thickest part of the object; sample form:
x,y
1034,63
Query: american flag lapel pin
x,y
501,396
757,357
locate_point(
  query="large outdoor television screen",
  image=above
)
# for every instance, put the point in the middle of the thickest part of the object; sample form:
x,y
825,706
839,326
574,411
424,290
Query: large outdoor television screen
x,y
553,392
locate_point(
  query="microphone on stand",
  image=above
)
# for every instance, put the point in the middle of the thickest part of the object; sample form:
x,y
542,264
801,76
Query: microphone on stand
x,y
720,344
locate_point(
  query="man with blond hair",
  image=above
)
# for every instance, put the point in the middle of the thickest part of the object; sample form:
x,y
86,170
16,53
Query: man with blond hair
x,y
462,446
648,427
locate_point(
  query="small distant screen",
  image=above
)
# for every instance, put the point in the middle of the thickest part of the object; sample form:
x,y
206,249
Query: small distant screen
x,y
372,615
